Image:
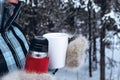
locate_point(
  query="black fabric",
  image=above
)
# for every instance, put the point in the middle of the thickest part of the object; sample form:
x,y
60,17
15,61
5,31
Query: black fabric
x,y
21,42
1,11
3,65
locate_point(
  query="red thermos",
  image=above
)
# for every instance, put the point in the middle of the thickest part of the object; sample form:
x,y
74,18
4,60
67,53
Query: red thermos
x,y
37,59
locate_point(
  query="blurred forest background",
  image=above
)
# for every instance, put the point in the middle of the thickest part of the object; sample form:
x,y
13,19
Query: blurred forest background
x,y
95,19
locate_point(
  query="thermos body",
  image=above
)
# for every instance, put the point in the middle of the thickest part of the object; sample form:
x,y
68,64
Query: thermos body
x,y
36,64
37,59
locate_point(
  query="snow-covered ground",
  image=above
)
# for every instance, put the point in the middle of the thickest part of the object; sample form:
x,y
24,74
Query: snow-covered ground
x,y
82,74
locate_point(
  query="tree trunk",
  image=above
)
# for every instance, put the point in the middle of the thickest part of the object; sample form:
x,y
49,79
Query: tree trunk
x,y
94,43
102,55
102,45
90,46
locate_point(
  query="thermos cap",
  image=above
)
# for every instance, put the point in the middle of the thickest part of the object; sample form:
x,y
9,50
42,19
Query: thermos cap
x,y
39,43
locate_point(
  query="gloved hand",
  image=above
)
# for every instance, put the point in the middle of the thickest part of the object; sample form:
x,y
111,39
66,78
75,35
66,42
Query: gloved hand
x,y
75,53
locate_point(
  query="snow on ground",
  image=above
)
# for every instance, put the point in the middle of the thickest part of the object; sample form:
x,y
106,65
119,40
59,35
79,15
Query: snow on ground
x,y
82,74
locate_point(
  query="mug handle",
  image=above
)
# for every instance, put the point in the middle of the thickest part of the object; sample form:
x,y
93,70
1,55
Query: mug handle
x,y
71,39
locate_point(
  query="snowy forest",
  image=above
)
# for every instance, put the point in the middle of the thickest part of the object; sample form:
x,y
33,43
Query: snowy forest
x,y
98,20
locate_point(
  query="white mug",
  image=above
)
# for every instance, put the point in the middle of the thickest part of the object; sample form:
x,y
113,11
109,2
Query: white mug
x,y
58,43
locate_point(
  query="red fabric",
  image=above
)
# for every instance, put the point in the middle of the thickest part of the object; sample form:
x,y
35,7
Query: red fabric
x,y
38,65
